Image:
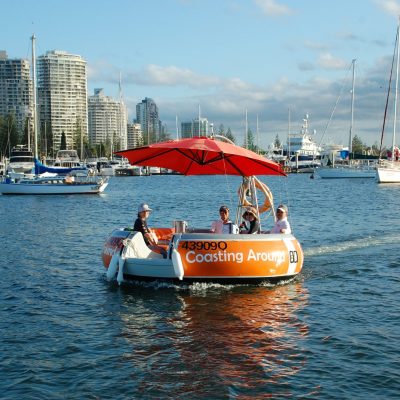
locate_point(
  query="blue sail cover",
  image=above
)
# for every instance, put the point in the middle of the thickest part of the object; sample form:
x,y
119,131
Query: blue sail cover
x,y
41,169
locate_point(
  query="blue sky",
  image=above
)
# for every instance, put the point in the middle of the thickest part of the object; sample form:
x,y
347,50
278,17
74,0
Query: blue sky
x,y
227,56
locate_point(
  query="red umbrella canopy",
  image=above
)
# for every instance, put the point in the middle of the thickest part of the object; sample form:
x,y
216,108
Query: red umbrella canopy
x,y
202,156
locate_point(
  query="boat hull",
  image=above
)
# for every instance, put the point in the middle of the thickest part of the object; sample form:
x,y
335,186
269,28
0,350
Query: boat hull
x,y
210,257
343,172
32,188
388,173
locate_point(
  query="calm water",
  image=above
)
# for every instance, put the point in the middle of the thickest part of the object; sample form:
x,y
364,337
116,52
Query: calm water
x,y
65,332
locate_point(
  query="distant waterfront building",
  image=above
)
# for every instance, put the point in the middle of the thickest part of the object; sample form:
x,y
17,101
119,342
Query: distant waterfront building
x,y
194,128
135,137
62,96
147,117
16,91
187,129
107,121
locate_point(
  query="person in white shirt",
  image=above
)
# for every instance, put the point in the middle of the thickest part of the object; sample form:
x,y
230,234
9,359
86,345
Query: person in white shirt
x,y
282,224
224,225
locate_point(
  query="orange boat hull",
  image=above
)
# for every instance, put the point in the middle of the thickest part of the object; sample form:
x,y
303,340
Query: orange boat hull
x,y
212,257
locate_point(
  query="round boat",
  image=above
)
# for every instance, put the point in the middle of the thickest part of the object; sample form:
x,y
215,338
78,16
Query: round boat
x,y
198,254
194,256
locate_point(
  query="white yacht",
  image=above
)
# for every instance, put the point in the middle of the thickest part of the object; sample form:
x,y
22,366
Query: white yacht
x,y
21,160
68,159
303,153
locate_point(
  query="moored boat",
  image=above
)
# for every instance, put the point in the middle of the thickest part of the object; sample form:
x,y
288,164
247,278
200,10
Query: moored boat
x,y
21,160
302,151
388,171
195,254
53,184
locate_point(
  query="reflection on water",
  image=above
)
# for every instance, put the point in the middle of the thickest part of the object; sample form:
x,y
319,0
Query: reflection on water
x,y
237,341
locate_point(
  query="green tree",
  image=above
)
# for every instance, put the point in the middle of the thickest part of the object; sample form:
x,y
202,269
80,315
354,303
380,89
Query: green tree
x,y
357,145
8,134
63,145
277,142
230,136
221,130
250,141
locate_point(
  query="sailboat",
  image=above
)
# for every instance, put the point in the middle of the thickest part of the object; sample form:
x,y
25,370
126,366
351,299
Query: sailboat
x,y
388,171
353,168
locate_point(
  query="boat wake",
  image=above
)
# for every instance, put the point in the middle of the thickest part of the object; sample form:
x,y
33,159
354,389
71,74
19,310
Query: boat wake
x,y
359,243
196,287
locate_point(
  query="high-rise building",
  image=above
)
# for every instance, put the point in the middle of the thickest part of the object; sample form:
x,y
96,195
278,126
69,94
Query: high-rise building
x,y
135,137
186,129
16,91
62,96
147,117
194,128
107,121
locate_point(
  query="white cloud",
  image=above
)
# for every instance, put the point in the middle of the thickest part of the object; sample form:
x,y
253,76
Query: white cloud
x,y
273,8
224,101
327,61
390,6
156,75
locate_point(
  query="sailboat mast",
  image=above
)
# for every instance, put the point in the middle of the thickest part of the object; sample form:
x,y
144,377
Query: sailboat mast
x,y
395,94
245,134
352,111
35,117
258,138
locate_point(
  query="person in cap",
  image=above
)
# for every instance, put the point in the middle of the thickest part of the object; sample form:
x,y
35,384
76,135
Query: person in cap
x,y
282,224
251,222
140,225
224,224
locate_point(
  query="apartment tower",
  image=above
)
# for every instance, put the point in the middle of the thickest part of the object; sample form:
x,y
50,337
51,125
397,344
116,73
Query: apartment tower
x,y
107,121
62,97
147,117
16,91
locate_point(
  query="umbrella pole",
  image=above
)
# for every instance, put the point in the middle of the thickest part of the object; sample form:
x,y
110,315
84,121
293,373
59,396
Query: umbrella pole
x,y
254,200
242,196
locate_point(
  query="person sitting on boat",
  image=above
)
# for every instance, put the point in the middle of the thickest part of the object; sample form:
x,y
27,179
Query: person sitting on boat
x,y
251,223
141,226
224,224
282,224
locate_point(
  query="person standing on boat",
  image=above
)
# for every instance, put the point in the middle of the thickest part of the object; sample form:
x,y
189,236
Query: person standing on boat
x,y
253,225
282,224
141,226
224,224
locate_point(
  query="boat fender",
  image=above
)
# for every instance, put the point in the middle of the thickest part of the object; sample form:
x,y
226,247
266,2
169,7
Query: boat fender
x,y
177,263
121,264
113,266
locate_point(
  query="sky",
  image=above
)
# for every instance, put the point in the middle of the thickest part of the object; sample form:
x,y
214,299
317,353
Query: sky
x,y
276,59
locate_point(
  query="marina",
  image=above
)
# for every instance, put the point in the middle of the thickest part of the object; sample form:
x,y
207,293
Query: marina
x,y
320,335
199,262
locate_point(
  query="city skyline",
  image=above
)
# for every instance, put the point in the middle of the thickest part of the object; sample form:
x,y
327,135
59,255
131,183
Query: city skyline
x,y
262,56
